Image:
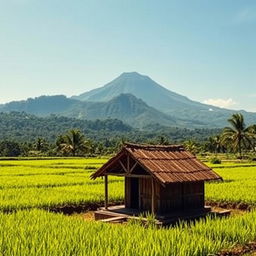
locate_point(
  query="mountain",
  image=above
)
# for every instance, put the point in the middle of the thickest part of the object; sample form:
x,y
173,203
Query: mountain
x,y
162,99
142,87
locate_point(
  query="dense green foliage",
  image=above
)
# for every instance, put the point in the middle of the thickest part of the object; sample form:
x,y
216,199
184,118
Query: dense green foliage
x,y
24,133
10,148
24,127
34,136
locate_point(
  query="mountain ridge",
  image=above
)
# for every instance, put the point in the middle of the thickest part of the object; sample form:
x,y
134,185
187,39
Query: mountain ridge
x,y
125,107
136,100
162,99
129,109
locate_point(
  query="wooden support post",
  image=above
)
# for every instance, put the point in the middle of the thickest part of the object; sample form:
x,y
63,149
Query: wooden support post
x,y
203,196
183,196
153,197
139,194
106,192
128,164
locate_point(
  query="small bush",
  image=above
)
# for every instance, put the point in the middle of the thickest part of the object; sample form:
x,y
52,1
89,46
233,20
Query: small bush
x,y
215,160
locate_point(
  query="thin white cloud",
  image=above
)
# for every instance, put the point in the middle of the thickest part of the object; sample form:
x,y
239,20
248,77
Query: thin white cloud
x,y
246,15
222,103
252,95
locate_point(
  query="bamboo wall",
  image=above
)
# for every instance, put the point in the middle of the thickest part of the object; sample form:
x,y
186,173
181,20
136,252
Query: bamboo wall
x,y
172,197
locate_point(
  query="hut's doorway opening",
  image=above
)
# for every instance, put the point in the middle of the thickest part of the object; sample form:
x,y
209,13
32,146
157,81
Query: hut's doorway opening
x,y
134,193
138,193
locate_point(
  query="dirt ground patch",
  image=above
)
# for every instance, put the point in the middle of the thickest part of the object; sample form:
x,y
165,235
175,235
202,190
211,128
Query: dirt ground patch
x,y
79,209
233,212
248,249
88,216
230,205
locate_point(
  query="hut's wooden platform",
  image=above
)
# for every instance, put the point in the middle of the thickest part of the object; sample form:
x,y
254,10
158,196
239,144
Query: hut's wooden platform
x,y
119,214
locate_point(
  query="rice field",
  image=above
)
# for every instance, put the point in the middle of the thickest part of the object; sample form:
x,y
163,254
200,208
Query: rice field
x,y
238,187
54,183
49,184
28,188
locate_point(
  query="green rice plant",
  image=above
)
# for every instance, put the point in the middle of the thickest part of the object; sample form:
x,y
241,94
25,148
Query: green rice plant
x,y
239,186
37,232
29,184
51,197
24,185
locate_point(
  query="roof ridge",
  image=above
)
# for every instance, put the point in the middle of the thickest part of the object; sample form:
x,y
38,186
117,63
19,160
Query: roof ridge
x,y
152,146
166,159
185,172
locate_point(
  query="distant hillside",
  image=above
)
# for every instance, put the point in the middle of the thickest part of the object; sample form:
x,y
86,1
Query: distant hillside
x,y
26,127
162,99
125,107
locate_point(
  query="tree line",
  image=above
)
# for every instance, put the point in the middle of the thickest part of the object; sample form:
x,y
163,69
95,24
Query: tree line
x,y
23,127
236,138
73,143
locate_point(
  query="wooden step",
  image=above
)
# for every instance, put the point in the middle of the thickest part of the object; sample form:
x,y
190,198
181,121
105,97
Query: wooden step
x,y
114,219
224,213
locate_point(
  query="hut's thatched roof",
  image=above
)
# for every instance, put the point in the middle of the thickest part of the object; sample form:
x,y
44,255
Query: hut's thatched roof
x,y
167,164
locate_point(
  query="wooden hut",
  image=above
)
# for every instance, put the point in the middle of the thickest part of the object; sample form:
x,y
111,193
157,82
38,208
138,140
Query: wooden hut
x,y
165,180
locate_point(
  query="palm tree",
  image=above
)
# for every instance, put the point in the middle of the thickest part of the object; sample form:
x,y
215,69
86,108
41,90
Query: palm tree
x,y
238,134
252,131
191,146
41,144
74,142
215,144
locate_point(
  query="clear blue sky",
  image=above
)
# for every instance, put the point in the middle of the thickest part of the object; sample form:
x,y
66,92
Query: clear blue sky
x,y
203,49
